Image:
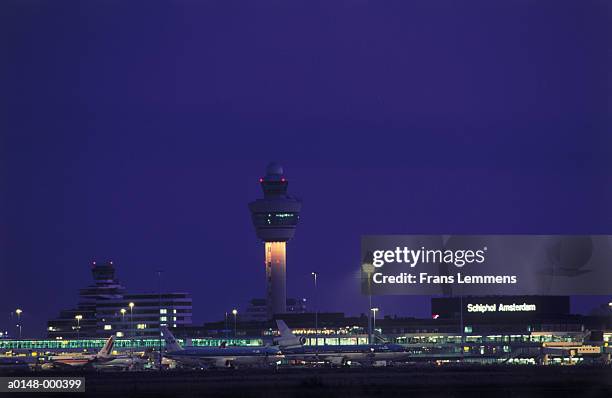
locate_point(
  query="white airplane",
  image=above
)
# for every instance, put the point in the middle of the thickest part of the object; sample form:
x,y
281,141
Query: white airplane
x,y
81,360
219,357
365,354
287,339
103,360
120,362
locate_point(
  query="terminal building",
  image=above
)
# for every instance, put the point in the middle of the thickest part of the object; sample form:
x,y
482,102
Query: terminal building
x,y
506,329
106,308
521,319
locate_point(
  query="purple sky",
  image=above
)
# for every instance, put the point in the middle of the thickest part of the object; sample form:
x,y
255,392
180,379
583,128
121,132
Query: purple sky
x,y
137,131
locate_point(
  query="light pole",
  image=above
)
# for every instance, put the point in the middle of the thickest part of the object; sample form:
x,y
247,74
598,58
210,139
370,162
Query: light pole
x,y
226,331
131,305
18,312
78,319
462,327
374,311
235,313
368,269
123,311
315,275
159,272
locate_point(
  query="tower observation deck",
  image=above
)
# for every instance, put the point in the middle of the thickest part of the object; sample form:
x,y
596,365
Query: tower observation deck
x,y
275,218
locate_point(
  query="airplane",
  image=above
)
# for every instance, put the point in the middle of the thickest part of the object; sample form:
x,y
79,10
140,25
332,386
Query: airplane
x,y
219,357
120,362
103,360
81,360
365,354
287,339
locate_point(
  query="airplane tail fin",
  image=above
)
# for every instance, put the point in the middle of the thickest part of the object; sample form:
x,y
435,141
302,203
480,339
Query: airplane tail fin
x,y
171,343
107,348
287,339
284,329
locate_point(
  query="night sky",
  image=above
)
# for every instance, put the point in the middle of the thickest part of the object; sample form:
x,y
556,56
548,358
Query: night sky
x,y
137,132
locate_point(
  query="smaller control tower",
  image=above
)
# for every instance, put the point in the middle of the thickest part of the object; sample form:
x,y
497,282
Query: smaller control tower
x,y
275,218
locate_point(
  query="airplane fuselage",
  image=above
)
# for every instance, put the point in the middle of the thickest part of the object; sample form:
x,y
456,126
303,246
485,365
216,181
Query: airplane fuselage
x,y
341,354
225,357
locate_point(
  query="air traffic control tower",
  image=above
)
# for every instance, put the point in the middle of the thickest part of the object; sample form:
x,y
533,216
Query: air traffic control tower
x,y
275,218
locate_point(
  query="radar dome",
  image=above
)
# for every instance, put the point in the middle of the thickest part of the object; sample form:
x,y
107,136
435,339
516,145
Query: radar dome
x,y
274,169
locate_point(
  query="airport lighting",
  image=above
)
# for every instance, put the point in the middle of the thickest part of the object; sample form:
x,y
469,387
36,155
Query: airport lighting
x,y
159,297
374,311
123,311
368,268
78,319
314,276
226,328
131,305
235,313
18,311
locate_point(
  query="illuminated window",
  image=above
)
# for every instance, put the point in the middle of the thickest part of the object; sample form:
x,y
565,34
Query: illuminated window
x,y
174,311
141,326
163,311
174,318
275,218
163,318
108,327
119,334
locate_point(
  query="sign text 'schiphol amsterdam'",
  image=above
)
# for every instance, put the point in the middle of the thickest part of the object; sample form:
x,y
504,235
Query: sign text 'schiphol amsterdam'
x,y
487,264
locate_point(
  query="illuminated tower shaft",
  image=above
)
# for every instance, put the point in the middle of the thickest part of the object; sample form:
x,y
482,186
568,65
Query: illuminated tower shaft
x,y
276,276
275,217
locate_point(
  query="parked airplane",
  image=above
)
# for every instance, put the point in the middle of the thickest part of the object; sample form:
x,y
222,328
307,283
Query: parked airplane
x,y
103,360
287,339
80,360
365,354
217,357
120,362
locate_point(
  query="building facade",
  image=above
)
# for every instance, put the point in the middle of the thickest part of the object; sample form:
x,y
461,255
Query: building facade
x,y
257,310
105,308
